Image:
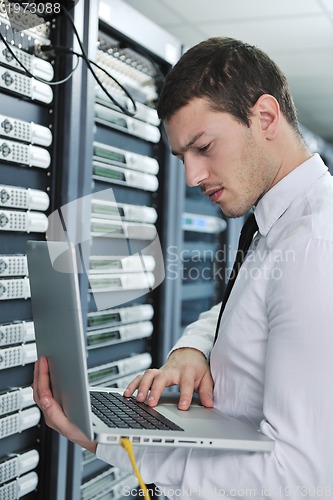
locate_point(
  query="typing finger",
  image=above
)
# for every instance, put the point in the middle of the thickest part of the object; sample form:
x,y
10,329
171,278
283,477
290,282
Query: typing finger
x,y
146,383
132,386
163,379
141,383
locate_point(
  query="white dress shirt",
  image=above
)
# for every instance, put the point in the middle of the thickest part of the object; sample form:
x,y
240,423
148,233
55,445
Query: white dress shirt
x,y
273,361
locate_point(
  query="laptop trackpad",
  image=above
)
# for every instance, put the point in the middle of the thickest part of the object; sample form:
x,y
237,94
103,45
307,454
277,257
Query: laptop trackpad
x,y
168,404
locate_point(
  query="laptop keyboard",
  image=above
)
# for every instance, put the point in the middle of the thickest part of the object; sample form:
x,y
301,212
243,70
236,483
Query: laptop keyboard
x,y
119,412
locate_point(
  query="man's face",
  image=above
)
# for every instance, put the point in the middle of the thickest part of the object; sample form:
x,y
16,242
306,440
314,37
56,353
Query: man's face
x,y
228,160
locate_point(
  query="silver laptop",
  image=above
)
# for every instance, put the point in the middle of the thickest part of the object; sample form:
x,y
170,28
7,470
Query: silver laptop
x,y
60,337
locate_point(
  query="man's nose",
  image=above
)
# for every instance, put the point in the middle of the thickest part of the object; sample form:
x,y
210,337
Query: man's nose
x,y
195,171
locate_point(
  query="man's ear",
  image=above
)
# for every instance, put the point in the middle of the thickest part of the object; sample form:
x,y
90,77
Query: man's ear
x,y
267,110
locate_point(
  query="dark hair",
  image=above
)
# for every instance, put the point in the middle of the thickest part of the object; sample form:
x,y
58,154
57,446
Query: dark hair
x,y
231,74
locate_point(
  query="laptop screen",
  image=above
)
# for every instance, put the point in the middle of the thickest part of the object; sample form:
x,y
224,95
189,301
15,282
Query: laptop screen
x,y
58,326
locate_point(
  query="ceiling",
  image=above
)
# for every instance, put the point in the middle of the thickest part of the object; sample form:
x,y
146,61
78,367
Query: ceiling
x,y
297,34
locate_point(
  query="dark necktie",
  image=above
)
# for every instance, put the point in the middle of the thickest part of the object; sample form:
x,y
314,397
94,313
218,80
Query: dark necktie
x,y
246,235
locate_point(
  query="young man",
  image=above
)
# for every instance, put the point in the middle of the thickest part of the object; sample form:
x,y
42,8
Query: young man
x,y
230,118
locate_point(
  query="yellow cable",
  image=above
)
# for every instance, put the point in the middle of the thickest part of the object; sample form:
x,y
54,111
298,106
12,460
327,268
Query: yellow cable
x,y
127,445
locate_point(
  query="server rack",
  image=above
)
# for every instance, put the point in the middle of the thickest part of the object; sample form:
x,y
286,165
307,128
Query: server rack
x,y
129,157
25,176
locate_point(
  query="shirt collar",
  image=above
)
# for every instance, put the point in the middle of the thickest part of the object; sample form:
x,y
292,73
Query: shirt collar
x,y
276,201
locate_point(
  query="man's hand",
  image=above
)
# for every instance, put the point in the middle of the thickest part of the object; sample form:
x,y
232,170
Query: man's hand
x,y
53,414
185,367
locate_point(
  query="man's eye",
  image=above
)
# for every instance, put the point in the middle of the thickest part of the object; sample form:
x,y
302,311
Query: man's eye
x,y
204,148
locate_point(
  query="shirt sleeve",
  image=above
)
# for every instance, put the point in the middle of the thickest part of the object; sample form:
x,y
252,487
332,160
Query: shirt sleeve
x,y
201,333
297,405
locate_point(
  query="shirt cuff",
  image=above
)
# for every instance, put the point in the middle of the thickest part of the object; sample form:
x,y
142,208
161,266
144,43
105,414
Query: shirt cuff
x,y
199,343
